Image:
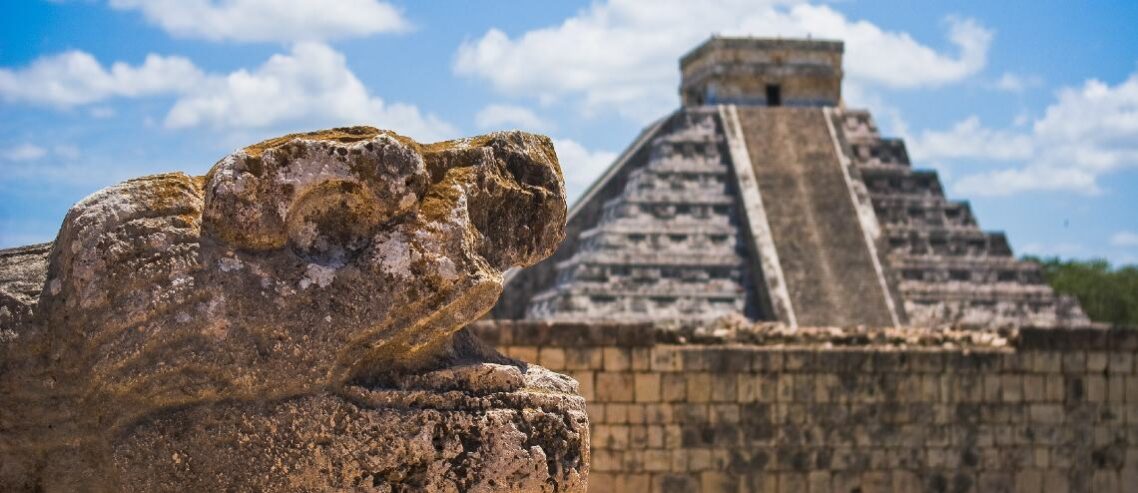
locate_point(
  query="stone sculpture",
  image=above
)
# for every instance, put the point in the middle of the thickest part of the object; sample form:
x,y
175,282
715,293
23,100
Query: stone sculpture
x,y
291,322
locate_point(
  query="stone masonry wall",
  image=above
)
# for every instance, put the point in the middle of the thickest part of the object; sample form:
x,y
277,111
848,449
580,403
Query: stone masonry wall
x,y
1049,411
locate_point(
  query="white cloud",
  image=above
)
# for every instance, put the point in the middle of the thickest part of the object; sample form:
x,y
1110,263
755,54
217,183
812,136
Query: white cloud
x,y
101,112
1087,132
1010,82
1124,239
622,54
971,139
580,165
74,78
32,152
269,20
1055,249
1030,178
25,152
66,151
310,86
503,116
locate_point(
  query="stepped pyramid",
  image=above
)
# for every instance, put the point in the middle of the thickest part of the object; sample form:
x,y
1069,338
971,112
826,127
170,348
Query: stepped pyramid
x,y
762,195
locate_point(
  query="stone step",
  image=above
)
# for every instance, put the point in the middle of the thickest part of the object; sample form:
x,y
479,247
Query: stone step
x,y
829,268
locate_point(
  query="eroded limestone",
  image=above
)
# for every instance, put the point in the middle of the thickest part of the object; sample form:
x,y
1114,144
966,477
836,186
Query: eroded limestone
x,y
288,322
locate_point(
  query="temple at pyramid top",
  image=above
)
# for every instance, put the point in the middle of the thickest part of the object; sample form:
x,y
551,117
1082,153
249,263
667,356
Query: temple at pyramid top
x,y
766,72
762,195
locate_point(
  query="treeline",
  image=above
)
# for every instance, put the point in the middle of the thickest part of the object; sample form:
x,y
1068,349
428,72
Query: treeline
x,y
1107,294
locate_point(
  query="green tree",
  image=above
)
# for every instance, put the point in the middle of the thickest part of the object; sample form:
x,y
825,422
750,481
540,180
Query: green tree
x,y
1108,295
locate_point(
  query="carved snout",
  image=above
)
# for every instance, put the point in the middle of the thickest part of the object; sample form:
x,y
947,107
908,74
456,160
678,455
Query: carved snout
x,y
515,193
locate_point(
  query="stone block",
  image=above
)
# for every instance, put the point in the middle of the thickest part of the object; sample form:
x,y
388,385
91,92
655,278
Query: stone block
x,y
524,353
758,482
825,386
851,360
767,361
699,460
748,386
1121,363
1116,388
1055,481
718,482
1034,388
638,436
604,482
818,482
647,387
699,387
992,391
585,384
679,460
926,362
616,359
1096,388
673,437
845,481
876,482
723,387
1074,362
728,414
655,436
616,413
585,358
995,481
642,358
1097,361
1050,414
667,359
674,483
792,482
1046,362
691,413
734,360
1056,388
905,480
798,360
633,461
631,482
657,460
596,412
1106,481
785,392
673,387
969,387
552,358
611,437
930,388
606,460
614,386
890,361
659,413
1015,362
1011,388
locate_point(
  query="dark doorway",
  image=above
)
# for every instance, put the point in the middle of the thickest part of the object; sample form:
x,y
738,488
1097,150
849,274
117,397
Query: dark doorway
x,y
774,95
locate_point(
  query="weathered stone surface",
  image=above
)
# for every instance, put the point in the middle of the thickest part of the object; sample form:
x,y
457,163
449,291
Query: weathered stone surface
x,y
290,322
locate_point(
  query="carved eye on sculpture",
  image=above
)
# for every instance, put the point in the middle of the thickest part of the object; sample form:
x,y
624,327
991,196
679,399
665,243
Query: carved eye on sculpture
x,y
322,195
333,221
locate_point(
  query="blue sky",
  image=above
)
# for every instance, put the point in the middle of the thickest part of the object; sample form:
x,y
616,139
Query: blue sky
x,y
1028,109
